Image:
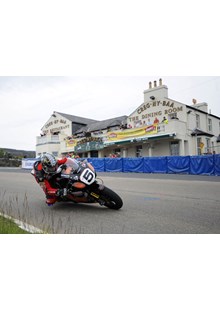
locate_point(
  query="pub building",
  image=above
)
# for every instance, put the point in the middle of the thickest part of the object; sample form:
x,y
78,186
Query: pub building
x,y
160,126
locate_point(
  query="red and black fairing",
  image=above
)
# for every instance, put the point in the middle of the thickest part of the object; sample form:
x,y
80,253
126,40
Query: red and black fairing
x,y
80,186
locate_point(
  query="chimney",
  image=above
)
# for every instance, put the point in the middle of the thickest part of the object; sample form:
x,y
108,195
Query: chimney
x,y
154,91
194,101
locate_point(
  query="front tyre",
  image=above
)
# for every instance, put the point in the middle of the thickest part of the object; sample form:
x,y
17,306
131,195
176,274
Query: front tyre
x,y
111,199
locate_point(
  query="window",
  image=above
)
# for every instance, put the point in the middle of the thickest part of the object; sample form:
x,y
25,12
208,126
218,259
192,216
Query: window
x,y
197,121
213,147
173,116
139,151
208,145
209,125
174,148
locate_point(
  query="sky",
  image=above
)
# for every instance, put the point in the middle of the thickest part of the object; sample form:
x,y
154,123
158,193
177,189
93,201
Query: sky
x,y
95,59
28,102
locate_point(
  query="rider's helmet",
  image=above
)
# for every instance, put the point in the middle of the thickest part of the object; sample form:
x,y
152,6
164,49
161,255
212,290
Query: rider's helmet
x,y
49,163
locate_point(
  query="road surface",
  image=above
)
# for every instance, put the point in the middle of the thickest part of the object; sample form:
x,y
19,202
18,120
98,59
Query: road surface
x,y
153,204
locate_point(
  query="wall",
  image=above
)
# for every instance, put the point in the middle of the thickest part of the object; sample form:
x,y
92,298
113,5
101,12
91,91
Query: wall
x,y
157,108
58,123
161,148
51,143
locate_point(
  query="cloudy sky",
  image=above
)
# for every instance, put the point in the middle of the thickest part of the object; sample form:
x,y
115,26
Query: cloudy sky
x,y
28,102
95,59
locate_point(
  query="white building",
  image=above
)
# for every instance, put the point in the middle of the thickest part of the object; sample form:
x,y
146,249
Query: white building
x,y
188,130
56,131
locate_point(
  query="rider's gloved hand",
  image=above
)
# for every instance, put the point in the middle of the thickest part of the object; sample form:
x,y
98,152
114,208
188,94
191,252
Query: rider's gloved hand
x,y
61,192
39,175
60,168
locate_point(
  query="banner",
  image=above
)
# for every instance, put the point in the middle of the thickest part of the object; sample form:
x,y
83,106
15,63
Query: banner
x,y
27,163
89,146
70,142
131,133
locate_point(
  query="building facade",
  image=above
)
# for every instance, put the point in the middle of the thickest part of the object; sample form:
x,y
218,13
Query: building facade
x,y
160,126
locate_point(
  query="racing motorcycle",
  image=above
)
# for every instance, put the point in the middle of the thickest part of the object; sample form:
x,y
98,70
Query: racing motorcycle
x,y
85,187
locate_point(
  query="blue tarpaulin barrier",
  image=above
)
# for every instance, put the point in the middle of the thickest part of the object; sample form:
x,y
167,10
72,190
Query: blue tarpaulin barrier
x,y
178,164
133,164
155,164
114,164
98,164
202,165
217,164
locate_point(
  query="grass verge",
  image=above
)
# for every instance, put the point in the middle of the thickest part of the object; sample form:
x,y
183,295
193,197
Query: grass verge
x,y
7,226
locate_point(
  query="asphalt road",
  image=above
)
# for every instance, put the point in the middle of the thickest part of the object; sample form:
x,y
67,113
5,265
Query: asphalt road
x,y
153,204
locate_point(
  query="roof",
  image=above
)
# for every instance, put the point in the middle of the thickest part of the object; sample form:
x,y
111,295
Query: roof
x,y
195,109
100,125
77,119
198,132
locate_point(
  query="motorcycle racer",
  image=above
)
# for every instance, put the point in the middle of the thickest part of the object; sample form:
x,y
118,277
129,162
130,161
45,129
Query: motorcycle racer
x,y
46,171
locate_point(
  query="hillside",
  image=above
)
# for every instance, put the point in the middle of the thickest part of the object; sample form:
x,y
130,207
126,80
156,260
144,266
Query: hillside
x,y
20,153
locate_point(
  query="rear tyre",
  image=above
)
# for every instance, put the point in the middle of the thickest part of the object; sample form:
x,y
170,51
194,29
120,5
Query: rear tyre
x,y
111,199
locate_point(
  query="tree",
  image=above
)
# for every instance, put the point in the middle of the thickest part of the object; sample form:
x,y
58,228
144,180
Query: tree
x,y
2,153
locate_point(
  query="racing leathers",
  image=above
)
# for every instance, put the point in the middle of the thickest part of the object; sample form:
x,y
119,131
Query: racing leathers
x,y
47,181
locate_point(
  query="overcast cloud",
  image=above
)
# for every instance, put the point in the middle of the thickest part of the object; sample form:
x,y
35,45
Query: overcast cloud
x,y
28,102
122,40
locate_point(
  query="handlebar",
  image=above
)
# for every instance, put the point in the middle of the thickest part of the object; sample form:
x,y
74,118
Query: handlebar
x,y
70,176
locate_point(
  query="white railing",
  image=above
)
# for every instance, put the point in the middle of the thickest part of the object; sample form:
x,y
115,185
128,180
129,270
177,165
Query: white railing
x,y
48,139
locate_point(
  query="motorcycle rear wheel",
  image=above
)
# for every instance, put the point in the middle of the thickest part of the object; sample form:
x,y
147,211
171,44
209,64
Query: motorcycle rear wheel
x,y
111,199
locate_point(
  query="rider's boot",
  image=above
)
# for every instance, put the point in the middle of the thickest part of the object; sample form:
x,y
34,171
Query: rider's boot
x,y
50,200
50,197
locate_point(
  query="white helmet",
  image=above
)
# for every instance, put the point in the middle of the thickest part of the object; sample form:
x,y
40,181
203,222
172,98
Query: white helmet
x,y
49,163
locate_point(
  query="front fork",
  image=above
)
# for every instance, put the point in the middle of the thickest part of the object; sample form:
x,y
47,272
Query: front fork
x,y
94,192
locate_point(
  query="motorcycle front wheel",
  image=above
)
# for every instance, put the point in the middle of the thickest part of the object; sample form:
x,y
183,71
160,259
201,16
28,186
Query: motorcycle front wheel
x,y
111,199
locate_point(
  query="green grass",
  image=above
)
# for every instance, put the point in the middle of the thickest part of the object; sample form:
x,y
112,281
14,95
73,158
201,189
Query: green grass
x,y
9,227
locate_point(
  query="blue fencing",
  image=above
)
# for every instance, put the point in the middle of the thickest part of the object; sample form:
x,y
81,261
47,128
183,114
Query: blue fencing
x,y
133,164
114,164
98,163
217,164
199,165
155,164
178,164
202,165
